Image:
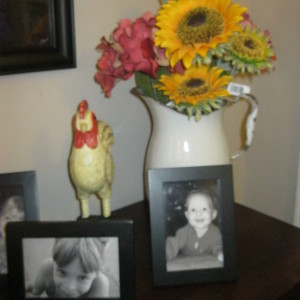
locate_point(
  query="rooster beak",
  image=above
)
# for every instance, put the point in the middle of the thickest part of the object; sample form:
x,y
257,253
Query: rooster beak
x,y
83,127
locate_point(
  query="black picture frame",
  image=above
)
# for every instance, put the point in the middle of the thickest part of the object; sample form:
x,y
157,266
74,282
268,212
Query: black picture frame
x,y
168,189
20,235
57,53
19,186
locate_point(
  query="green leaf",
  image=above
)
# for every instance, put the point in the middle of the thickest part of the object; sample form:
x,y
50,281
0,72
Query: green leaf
x,y
146,83
206,108
198,115
214,105
190,111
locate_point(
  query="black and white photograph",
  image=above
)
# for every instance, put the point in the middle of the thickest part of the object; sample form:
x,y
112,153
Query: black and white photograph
x,y
86,259
192,225
71,267
194,240
18,202
11,210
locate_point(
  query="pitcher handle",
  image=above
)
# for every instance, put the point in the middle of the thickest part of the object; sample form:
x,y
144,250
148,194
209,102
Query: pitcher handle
x,y
250,122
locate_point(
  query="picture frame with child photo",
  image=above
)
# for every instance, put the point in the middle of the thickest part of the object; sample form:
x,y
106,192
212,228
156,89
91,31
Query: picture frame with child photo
x,y
90,259
18,202
192,225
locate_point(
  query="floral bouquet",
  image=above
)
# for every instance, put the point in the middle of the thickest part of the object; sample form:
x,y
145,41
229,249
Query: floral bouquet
x,y
186,56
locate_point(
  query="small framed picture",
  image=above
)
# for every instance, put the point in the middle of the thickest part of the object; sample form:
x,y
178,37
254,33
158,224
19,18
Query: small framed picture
x,y
192,225
86,259
18,202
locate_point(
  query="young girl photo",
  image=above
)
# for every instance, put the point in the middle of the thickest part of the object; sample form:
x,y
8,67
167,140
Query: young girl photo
x,y
71,267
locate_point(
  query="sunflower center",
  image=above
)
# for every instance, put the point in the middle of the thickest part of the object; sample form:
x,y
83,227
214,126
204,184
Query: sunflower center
x,y
197,19
199,25
248,45
195,83
192,87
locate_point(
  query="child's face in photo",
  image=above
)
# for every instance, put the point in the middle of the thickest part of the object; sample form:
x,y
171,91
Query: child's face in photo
x,y
71,281
10,214
200,212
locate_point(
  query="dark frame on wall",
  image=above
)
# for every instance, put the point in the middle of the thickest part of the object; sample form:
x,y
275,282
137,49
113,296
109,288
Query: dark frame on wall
x,y
48,43
18,194
168,190
27,240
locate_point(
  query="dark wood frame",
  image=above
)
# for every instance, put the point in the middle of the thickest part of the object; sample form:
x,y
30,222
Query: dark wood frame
x,y
122,229
223,175
27,180
60,55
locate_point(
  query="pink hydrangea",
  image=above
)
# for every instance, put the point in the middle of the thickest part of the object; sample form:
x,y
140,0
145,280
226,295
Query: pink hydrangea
x,y
110,67
136,40
130,50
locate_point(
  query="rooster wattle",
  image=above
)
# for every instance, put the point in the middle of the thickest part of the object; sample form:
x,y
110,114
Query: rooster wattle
x,y
90,163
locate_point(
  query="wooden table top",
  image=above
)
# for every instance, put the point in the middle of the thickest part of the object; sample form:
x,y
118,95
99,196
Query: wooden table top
x,y
268,260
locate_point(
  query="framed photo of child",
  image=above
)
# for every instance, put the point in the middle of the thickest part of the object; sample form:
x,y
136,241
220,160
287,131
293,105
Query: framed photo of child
x,y
86,259
192,225
18,202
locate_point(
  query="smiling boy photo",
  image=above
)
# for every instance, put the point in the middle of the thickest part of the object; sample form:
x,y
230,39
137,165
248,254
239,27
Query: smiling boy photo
x,y
198,242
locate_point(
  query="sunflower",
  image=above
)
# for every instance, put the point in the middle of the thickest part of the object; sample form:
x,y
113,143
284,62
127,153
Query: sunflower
x,y
188,28
250,51
199,90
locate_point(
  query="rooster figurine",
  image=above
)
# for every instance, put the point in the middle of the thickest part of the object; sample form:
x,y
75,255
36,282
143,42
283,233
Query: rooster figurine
x,y
91,164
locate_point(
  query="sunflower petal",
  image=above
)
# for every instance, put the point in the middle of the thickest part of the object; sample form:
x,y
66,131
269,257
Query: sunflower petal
x,y
176,15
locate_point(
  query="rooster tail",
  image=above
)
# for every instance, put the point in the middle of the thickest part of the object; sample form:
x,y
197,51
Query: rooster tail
x,y
106,136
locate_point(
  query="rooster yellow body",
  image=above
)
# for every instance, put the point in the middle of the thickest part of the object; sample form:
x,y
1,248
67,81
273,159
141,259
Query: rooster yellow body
x,y
91,164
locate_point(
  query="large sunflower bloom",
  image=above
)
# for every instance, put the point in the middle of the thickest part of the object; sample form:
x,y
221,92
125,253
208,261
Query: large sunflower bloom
x,y
200,88
191,27
251,51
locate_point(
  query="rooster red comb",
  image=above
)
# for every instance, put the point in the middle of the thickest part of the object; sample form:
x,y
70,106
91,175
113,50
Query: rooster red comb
x,y
82,108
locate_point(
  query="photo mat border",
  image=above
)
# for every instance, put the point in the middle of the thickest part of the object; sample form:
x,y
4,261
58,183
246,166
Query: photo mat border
x,y
223,175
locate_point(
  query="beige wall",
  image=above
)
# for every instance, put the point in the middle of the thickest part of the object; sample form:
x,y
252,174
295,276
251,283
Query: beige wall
x,y
36,111
269,170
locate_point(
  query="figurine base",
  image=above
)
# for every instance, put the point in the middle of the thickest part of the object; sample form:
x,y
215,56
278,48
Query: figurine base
x,y
95,218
